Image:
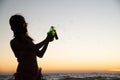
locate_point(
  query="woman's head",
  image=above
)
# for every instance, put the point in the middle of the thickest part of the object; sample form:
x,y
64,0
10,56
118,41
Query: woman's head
x,y
18,24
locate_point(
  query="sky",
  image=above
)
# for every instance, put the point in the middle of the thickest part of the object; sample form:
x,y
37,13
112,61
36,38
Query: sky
x,y
88,31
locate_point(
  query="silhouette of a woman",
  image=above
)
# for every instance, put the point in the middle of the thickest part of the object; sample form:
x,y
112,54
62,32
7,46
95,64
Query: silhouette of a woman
x,y
25,50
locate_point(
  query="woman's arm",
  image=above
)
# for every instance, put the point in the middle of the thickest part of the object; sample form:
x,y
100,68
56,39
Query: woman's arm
x,y
44,45
48,39
41,44
41,52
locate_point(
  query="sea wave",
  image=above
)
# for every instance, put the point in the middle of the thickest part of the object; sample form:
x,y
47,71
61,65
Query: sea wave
x,y
72,76
82,76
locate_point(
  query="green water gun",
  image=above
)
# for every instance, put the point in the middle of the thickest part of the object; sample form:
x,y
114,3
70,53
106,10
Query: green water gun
x,y
53,32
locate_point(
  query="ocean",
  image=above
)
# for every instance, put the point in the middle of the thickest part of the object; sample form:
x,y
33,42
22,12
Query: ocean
x,y
73,76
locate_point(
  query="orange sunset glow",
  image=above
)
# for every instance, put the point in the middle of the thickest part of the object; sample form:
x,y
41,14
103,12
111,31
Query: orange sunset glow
x,y
65,67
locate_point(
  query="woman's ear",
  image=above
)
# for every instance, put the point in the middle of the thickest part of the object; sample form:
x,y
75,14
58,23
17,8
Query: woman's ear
x,y
25,24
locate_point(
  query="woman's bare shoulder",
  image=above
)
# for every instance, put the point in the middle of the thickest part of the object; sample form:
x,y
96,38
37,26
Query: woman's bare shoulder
x,y
14,42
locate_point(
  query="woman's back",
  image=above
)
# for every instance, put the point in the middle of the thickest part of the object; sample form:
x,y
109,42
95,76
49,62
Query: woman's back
x,y
26,57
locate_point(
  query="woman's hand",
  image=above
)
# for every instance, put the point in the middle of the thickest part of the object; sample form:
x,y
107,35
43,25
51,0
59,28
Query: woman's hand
x,y
49,38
